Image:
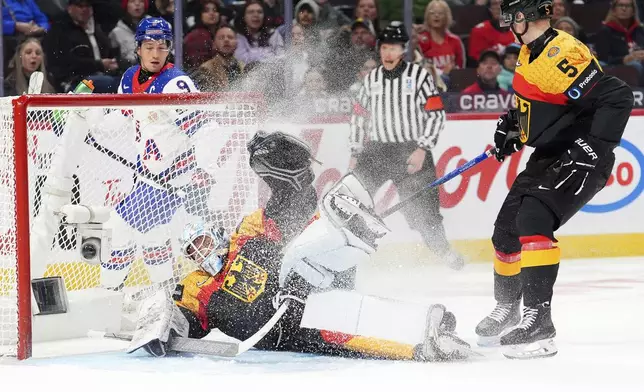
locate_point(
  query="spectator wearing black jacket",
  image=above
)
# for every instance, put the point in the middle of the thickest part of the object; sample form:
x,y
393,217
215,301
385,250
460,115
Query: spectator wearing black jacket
x,y
27,60
76,48
621,39
273,14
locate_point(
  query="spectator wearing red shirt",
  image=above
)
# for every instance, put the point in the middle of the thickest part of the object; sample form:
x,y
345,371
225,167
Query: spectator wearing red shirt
x,y
437,43
198,44
489,35
488,70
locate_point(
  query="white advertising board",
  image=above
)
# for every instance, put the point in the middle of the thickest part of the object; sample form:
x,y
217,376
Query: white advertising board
x,y
608,225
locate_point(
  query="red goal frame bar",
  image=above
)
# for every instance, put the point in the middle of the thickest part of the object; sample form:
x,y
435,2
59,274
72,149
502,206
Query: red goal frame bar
x,y
21,107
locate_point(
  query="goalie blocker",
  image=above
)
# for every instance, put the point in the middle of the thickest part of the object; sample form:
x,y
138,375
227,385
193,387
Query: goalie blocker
x,y
241,299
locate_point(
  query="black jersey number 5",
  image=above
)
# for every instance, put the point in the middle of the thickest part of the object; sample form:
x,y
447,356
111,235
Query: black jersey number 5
x,y
569,70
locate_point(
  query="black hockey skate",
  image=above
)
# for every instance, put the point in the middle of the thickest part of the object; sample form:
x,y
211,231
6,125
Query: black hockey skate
x,y
503,318
534,337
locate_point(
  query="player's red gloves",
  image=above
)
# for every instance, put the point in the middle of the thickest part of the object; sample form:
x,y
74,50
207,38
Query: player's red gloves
x,y
507,138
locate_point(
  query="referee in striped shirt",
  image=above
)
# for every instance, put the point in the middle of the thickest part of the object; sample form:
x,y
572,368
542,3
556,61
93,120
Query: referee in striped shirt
x,y
396,121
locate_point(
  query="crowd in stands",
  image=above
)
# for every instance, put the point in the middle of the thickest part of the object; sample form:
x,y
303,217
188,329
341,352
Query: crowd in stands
x,y
241,45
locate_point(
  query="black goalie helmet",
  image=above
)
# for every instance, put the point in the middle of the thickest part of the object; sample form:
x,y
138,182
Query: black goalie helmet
x,y
394,33
531,9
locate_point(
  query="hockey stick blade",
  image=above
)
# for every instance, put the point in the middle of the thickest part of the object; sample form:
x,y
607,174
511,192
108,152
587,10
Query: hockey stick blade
x,y
36,81
204,347
183,345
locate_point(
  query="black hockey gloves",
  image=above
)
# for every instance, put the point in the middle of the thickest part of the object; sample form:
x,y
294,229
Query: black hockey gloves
x,y
507,138
574,166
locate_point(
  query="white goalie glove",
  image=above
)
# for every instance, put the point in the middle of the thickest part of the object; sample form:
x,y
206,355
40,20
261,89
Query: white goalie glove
x,y
159,320
344,236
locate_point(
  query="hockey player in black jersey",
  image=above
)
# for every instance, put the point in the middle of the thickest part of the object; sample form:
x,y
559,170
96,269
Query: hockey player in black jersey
x,y
574,115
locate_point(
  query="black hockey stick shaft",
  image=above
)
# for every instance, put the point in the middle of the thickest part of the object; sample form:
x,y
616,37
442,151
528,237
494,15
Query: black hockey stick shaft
x,y
89,139
459,170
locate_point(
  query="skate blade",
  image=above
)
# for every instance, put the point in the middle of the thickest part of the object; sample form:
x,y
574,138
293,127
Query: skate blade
x,y
457,351
494,341
540,349
489,341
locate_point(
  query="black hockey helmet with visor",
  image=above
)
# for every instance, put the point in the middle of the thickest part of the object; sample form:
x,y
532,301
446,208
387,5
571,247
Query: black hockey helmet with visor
x,y
532,10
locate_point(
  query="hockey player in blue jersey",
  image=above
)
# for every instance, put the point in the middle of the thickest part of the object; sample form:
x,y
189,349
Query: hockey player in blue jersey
x,y
154,74
165,152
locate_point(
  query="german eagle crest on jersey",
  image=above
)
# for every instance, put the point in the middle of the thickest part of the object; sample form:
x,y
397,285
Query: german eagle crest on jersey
x,y
245,280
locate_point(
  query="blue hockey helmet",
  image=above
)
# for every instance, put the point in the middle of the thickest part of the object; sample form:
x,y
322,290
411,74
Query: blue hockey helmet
x,y
154,29
205,245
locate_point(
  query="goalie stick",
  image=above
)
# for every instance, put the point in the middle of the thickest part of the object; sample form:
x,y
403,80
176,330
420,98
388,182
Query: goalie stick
x,y
211,347
459,170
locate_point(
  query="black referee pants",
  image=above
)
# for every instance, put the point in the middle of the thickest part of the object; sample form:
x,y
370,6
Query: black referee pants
x,y
380,162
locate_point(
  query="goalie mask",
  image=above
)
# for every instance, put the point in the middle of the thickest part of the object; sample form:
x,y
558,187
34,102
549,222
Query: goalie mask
x,y
206,246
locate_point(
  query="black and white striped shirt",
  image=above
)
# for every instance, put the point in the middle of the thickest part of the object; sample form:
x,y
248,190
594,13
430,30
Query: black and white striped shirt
x,y
397,106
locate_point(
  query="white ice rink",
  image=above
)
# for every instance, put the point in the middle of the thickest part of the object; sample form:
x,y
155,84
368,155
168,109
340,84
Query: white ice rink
x,y
598,309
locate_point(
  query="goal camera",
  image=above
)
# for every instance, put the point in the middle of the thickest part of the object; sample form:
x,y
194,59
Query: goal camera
x,y
92,239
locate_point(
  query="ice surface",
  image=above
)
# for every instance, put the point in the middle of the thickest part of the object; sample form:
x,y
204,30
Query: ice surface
x,y
598,310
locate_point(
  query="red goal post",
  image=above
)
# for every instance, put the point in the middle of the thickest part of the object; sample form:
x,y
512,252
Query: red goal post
x,y
223,122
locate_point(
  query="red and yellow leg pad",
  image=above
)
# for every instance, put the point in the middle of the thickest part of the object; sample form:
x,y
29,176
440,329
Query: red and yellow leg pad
x,y
539,268
507,264
381,348
539,251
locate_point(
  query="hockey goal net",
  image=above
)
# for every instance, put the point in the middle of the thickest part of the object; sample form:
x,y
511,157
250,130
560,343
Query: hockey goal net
x,y
155,162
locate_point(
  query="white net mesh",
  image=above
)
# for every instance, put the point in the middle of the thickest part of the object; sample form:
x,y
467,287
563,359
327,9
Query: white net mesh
x,y
157,167
8,297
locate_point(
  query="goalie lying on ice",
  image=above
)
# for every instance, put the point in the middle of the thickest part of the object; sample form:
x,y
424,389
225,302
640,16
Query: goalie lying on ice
x,y
243,279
